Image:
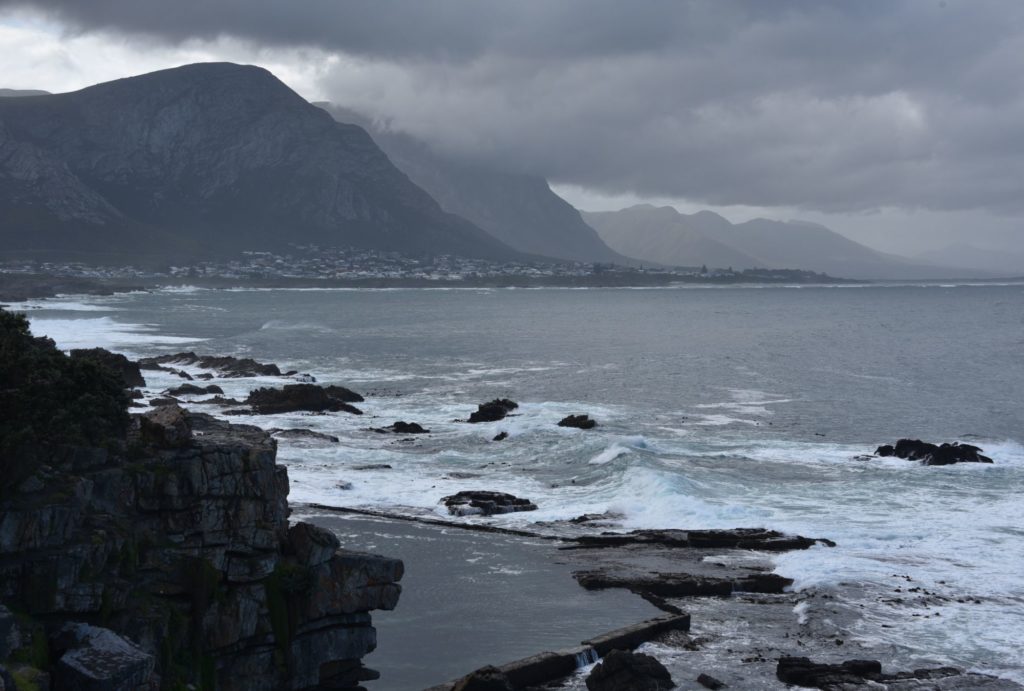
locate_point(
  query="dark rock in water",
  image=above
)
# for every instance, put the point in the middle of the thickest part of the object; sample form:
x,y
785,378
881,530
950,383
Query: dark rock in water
x,y
596,517
343,394
298,397
301,433
682,584
217,400
578,421
709,682
492,411
135,394
735,538
204,376
932,454
228,366
628,671
484,679
401,427
192,389
302,378
117,362
479,502
156,402
802,672
500,436
372,466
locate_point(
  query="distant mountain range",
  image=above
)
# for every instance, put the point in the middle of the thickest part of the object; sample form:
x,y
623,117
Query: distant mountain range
x,y
663,235
520,210
971,257
203,159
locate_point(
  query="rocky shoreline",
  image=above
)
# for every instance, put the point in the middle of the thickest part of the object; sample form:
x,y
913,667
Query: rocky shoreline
x,y
184,519
160,555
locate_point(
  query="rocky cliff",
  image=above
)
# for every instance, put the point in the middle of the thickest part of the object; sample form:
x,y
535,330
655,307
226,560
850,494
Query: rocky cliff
x,y
164,558
205,159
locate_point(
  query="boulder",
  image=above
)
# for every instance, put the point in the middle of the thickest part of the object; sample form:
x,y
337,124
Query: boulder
x,y
479,502
166,426
933,454
193,390
98,658
492,411
342,394
801,671
298,397
401,427
500,436
709,682
128,370
484,679
578,421
628,671
312,545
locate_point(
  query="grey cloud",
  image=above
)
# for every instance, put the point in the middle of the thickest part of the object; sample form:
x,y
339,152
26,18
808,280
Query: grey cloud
x,y
830,106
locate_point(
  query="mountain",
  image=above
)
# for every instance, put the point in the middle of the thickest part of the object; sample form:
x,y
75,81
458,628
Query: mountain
x,y
205,159
662,234
15,93
973,257
520,210
665,235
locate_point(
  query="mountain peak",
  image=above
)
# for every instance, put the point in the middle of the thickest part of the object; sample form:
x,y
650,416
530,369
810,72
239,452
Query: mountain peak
x,y
209,157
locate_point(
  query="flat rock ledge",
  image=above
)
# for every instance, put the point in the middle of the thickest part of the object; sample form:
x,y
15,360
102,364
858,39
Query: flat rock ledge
x,y
168,562
867,674
484,503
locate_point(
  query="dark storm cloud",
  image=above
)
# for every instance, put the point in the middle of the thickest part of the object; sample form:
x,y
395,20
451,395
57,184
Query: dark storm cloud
x,y
834,106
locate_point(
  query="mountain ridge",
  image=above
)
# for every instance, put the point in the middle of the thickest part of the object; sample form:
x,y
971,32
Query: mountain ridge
x,y
206,158
518,209
706,238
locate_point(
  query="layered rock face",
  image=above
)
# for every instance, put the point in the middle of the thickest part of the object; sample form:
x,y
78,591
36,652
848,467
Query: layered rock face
x,y
168,560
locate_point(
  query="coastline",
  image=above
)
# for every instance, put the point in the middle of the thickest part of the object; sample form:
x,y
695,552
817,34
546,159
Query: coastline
x,y
743,612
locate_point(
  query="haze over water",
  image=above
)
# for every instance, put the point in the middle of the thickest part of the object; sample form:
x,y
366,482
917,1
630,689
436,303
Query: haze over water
x,y
722,407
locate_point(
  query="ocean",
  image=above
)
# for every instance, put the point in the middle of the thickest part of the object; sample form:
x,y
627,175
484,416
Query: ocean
x,y
738,406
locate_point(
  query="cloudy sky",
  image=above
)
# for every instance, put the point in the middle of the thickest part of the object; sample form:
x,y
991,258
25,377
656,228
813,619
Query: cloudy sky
x,y
897,122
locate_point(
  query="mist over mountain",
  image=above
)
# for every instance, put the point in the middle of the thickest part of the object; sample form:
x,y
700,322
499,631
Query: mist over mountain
x,y
202,159
520,210
663,234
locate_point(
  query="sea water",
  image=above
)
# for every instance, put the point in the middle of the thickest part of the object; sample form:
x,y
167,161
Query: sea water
x,y
717,407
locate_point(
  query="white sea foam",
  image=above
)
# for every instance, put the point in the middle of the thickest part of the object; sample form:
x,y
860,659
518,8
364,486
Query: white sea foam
x,y
101,331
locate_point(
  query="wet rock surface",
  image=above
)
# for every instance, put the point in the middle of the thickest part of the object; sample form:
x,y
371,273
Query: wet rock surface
x,y
628,671
933,454
855,674
302,433
485,503
193,390
402,427
578,421
226,366
492,411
